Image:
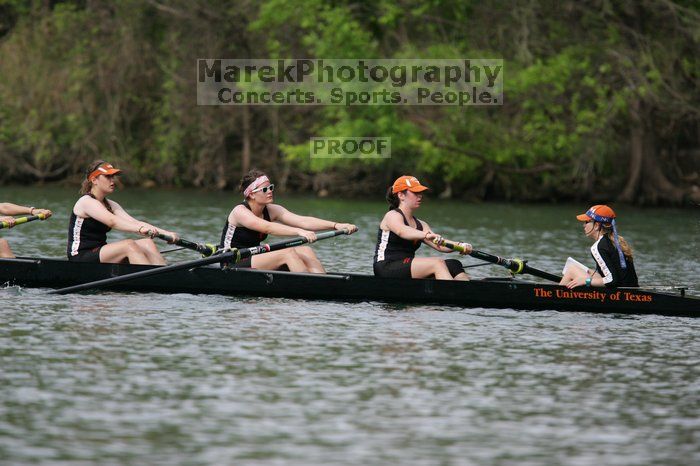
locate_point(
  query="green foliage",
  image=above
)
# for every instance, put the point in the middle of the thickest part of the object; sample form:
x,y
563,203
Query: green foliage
x,y
80,81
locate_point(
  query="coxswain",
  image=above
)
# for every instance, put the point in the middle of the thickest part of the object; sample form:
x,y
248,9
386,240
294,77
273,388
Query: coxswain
x,y
611,253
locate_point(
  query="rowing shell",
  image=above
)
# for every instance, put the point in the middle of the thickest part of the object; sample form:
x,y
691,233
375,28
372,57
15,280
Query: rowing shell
x,y
486,293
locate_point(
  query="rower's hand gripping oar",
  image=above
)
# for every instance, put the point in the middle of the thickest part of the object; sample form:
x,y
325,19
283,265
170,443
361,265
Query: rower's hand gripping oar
x,y
21,220
205,250
516,266
233,254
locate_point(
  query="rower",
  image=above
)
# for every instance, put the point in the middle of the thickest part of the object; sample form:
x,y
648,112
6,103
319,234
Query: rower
x,y
401,234
250,221
612,254
94,215
7,209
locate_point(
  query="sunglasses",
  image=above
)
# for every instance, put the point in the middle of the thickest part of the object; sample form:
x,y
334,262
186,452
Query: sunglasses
x,y
265,189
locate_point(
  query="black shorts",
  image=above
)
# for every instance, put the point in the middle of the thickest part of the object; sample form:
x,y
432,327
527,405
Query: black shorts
x,y
454,266
87,255
402,268
393,269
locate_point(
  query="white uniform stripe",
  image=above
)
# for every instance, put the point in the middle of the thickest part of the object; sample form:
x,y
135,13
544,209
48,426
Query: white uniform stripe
x,y
229,235
383,242
607,274
75,245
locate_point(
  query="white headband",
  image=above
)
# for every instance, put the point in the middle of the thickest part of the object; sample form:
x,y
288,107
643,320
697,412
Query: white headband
x,y
254,185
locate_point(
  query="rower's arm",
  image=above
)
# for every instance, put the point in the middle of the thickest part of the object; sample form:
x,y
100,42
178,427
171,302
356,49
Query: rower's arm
x,y
143,226
244,217
301,221
431,243
394,222
8,208
597,280
120,212
119,220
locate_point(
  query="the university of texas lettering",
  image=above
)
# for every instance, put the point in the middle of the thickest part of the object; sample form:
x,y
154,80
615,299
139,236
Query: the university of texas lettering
x,y
593,295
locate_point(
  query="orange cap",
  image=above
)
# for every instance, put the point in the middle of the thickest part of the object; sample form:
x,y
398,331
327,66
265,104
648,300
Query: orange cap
x,y
598,213
405,182
103,169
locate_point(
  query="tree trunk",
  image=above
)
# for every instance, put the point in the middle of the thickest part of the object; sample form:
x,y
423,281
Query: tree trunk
x,y
221,179
646,181
636,155
283,176
656,186
245,161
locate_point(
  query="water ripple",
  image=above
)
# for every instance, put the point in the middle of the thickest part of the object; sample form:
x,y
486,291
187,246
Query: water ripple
x,y
126,378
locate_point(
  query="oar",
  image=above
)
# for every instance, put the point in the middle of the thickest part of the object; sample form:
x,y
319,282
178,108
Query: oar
x,y
474,265
168,251
21,220
514,265
235,254
205,250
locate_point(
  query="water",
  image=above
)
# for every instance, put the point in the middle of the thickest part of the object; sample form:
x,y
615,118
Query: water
x,y
125,378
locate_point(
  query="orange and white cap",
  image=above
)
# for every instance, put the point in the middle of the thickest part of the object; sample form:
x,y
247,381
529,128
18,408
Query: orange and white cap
x,y
405,182
103,169
598,213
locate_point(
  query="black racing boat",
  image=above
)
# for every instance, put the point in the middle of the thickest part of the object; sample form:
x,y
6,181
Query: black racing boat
x,y
486,293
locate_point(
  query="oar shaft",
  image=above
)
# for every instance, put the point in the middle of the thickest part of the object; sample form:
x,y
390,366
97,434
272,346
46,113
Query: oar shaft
x,y
21,220
475,265
514,265
235,254
541,273
290,243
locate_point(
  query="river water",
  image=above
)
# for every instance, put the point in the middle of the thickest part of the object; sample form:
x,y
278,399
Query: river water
x,y
126,378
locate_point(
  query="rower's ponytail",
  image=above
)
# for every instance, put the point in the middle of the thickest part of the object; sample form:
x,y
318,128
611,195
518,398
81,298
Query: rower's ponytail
x,y
624,245
86,186
392,198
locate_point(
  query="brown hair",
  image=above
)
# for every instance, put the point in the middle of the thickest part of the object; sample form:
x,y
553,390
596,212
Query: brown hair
x,y
86,186
624,245
392,198
249,177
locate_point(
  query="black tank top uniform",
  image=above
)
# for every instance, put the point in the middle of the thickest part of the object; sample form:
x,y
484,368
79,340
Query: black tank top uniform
x,y
608,265
86,236
393,255
391,247
241,237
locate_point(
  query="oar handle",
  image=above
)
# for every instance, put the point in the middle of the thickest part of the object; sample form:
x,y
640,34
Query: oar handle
x,y
514,265
451,245
205,250
21,220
